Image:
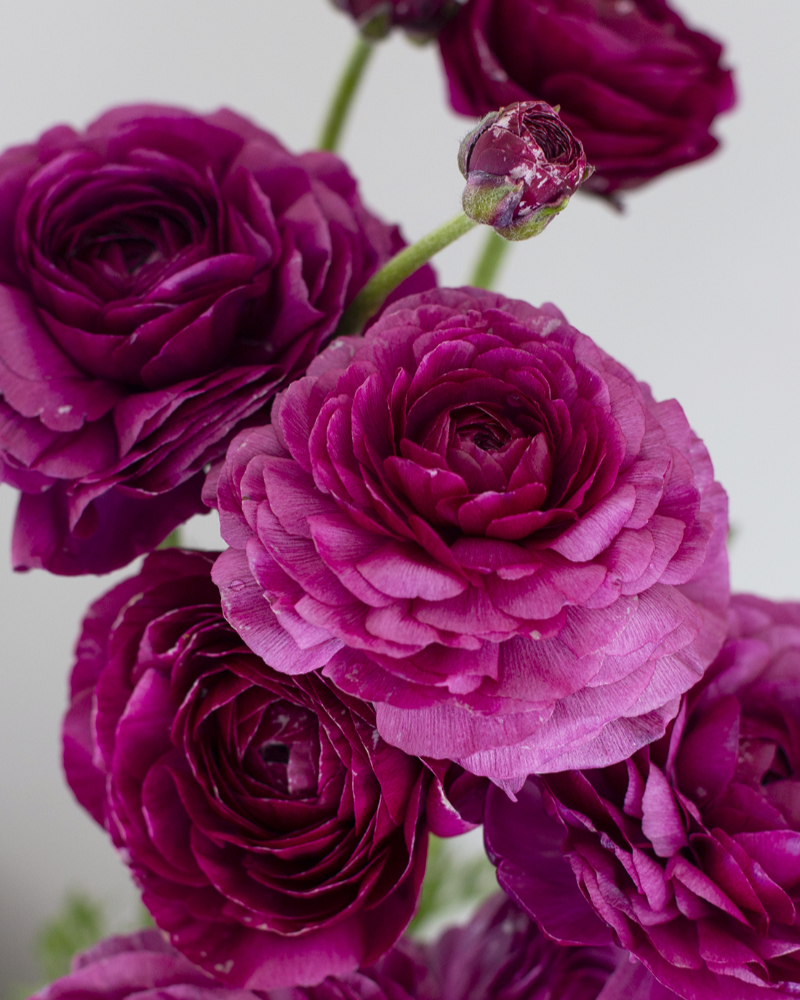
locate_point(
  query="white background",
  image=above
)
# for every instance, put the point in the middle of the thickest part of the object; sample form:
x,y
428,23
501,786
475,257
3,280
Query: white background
x,y
695,289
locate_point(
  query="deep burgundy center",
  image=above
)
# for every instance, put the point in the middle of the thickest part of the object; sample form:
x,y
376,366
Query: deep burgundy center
x,y
273,752
287,748
550,136
486,430
133,244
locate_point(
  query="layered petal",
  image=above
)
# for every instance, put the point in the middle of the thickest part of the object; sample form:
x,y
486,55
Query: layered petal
x,y
686,853
277,839
479,521
161,274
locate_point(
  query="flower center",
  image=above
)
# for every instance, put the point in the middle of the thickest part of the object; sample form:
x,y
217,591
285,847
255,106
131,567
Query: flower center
x,y
286,745
129,253
125,251
123,231
272,752
477,425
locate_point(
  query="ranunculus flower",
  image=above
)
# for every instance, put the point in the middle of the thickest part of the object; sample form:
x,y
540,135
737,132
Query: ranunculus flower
x,y
135,966
481,522
144,966
276,837
636,85
689,852
509,960
160,274
421,18
522,164
502,955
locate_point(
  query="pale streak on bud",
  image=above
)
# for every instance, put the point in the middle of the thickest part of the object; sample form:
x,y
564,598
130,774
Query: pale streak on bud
x,y
522,164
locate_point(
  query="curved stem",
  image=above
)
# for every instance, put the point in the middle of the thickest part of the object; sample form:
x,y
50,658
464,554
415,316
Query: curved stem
x,y
401,266
488,264
342,99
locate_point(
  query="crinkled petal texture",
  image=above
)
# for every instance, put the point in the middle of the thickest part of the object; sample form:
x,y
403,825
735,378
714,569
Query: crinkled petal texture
x,y
276,837
687,853
637,86
479,521
160,274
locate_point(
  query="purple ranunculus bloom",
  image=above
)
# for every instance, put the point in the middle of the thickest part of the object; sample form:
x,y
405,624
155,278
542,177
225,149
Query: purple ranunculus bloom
x,y
132,966
508,959
479,521
144,966
421,18
688,852
636,85
160,274
502,955
276,837
522,164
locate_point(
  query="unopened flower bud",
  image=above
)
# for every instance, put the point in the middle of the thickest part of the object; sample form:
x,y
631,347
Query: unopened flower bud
x,y
522,164
422,19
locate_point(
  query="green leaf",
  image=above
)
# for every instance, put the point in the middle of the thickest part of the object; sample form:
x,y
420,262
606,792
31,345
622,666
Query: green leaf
x,y
172,541
453,884
79,924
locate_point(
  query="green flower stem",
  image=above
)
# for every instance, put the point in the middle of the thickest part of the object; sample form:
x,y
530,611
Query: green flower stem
x,y
343,96
488,264
401,266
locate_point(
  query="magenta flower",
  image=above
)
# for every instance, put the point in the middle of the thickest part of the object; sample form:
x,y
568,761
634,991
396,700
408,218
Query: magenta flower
x,y
376,18
508,960
522,165
479,521
160,274
275,836
687,853
502,955
143,966
133,966
636,85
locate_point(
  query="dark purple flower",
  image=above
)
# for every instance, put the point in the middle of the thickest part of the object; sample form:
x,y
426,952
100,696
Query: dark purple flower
x,y
635,84
275,836
502,955
160,274
143,966
421,18
508,960
522,164
689,852
136,965
481,522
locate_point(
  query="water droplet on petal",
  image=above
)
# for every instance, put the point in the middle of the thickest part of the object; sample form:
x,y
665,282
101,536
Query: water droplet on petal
x,y
236,585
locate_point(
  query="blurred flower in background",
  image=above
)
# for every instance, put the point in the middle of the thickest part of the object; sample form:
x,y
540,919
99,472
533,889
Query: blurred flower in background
x,y
421,18
636,85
